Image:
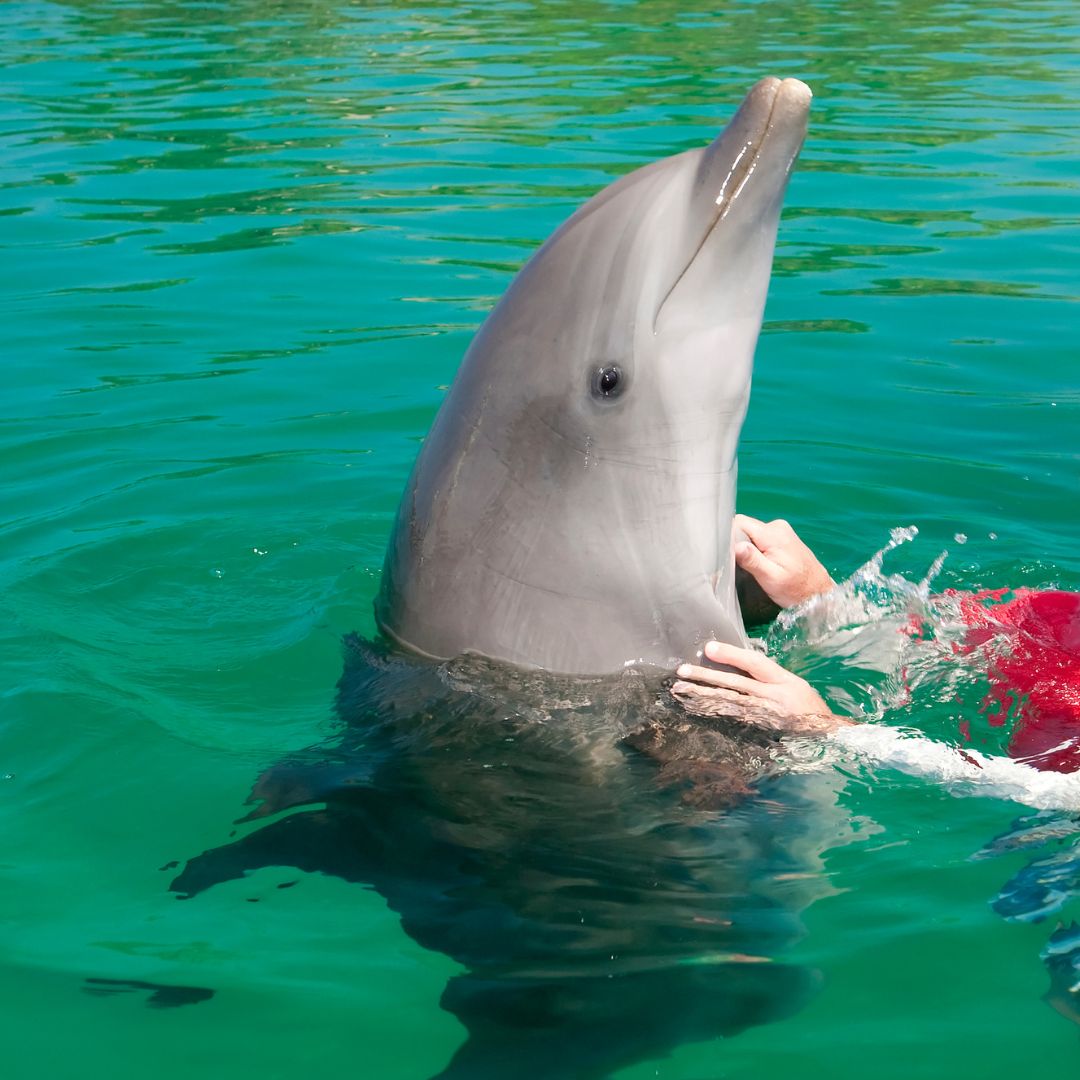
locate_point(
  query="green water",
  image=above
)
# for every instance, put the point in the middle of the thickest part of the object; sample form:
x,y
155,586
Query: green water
x,y
242,248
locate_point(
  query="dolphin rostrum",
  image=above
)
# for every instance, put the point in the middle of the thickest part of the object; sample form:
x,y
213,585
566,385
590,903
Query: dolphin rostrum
x,y
571,507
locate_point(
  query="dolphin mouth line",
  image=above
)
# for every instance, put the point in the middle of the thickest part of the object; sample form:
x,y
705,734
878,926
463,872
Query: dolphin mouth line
x,y
725,199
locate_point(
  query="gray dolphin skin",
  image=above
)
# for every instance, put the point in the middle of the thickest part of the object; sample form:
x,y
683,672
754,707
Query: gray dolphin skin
x,y
594,860
571,507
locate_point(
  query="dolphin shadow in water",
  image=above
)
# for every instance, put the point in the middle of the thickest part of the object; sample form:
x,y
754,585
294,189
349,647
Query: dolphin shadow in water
x,y
1041,889
506,818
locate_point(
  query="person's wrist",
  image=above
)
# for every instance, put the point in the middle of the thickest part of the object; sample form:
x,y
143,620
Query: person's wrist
x,y
816,585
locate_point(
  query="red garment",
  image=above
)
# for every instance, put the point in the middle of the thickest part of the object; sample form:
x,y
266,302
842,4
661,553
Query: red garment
x,y
1038,670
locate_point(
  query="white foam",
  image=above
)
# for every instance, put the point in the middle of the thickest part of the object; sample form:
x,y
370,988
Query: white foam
x,y
964,772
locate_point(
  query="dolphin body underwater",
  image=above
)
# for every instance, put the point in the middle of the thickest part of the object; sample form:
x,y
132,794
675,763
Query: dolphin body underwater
x,y
509,773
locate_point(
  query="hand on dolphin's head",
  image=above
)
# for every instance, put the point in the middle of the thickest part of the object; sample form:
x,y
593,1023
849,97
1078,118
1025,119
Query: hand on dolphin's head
x,y
759,691
773,554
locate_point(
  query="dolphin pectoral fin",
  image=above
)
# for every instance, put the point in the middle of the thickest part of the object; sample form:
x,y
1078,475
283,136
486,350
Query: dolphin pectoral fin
x,y
314,841
1065,1002
293,784
587,1027
160,995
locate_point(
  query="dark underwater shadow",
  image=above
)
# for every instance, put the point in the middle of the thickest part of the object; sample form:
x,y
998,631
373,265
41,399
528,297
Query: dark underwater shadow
x,y
609,872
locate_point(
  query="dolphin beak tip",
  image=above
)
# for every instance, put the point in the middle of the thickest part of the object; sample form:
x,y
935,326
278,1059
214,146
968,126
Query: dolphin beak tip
x,y
793,89
794,92
798,87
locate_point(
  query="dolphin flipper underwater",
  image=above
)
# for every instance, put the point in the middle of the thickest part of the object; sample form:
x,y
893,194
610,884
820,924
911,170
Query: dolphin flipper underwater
x,y
564,538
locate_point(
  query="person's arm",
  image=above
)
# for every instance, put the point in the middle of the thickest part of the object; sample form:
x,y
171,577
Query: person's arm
x,y
963,771
757,690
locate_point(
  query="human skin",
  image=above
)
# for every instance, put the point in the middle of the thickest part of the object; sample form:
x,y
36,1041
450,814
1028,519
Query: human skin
x,y
778,560
749,684
754,689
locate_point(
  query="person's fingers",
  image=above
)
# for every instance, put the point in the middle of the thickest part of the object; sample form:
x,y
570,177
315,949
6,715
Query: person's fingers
x,y
754,528
792,706
696,690
733,700
756,664
766,534
701,700
759,566
697,674
728,680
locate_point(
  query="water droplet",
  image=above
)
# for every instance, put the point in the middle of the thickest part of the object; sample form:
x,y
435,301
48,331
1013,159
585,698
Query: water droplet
x,y
257,551
960,538
217,573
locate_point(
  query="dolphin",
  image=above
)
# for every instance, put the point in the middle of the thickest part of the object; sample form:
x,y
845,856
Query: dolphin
x,y
598,919
571,508
505,772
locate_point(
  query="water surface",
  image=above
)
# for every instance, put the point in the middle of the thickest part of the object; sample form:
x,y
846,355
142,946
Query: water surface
x,y
243,247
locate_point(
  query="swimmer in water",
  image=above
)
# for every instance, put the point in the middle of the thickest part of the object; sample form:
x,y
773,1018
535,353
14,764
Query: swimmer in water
x,y
1040,667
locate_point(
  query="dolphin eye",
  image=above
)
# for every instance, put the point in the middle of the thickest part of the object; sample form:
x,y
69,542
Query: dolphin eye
x,y
608,381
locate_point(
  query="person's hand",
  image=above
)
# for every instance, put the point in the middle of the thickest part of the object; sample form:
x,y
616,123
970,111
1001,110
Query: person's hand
x,y
760,692
774,556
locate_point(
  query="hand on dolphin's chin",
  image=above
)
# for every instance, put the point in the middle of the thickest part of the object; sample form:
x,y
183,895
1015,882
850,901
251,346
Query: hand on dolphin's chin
x,y
759,692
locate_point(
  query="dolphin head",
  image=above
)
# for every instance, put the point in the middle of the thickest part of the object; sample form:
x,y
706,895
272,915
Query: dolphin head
x,y
571,508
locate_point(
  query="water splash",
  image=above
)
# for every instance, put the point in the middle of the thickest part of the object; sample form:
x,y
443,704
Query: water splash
x,y
868,596
882,643
992,668
857,639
